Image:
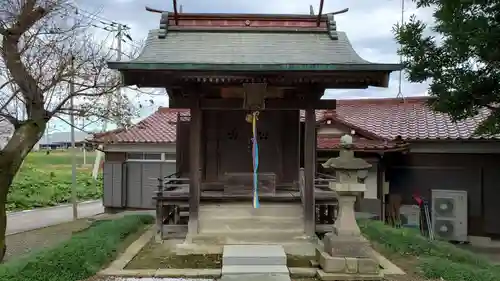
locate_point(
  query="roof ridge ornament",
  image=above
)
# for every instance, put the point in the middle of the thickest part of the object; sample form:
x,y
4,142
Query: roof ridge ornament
x,y
163,26
332,24
163,21
164,18
332,27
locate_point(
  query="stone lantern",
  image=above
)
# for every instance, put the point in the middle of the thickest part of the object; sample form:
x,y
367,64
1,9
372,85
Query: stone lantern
x,y
347,254
348,171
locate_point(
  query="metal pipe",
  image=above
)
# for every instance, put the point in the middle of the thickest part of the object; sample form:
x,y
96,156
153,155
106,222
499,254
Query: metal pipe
x,y
318,20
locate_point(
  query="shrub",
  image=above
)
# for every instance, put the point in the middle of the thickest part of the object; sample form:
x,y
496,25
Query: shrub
x,y
437,259
78,258
35,187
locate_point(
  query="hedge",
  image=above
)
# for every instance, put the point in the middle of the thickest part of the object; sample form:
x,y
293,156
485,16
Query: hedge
x,y
81,257
437,258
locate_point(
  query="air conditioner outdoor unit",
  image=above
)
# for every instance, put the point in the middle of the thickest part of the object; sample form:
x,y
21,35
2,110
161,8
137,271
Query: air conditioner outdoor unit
x,y
410,216
449,214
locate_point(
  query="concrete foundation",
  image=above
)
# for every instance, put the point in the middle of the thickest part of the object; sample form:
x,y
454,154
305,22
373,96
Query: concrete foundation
x,y
241,224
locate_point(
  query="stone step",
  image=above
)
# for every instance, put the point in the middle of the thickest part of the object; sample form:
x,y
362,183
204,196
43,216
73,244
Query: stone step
x,y
295,248
256,277
253,255
254,269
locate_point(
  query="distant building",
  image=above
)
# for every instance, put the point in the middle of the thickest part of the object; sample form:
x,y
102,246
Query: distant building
x,y
62,140
5,133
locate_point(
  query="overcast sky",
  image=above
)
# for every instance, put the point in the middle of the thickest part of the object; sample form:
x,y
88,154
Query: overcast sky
x,y
368,25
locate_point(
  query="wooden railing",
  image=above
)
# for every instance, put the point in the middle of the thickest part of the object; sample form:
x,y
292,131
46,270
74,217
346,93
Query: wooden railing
x,y
170,216
325,213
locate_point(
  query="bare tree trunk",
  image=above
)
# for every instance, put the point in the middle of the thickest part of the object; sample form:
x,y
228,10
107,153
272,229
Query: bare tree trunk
x,y
11,158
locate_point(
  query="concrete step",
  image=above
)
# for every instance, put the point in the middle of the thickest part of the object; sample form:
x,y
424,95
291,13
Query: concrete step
x,y
245,209
262,237
250,225
253,255
254,269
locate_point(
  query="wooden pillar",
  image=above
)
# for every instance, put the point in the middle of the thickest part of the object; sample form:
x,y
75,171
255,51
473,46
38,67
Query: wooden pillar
x,y
380,186
194,164
309,168
178,146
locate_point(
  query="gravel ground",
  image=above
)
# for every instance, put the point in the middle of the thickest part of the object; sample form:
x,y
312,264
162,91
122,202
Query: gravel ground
x,y
406,263
35,240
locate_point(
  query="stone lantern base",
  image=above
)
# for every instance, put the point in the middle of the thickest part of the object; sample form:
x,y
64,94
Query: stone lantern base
x,y
347,258
347,255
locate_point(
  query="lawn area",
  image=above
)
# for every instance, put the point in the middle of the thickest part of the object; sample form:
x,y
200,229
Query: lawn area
x,y
435,260
45,180
82,255
58,157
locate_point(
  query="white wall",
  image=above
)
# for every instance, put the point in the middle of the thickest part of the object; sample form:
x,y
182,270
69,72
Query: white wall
x,y
330,131
153,147
371,184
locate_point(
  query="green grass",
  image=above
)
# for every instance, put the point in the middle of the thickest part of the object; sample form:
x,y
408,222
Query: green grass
x,y
78,258
45,180
58,157
436,258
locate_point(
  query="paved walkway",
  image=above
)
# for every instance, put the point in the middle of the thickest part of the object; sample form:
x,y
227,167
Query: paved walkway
x,y
38,218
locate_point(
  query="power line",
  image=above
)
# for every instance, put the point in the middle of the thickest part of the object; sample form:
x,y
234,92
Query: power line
x,y
96,16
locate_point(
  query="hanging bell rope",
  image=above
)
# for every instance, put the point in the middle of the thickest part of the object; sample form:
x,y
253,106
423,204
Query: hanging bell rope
x,y
253,117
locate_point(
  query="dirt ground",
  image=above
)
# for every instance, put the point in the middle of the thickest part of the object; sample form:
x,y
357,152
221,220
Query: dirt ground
x,y
156,255
407,264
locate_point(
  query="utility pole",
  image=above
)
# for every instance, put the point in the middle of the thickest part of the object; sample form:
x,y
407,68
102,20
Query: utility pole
x,y
84,145
74,197
99,155
400,91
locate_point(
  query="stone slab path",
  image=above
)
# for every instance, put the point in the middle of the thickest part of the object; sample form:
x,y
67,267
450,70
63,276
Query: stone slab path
x,y
251,277
254,263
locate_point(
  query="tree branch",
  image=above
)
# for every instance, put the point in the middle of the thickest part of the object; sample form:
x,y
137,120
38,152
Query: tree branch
x,y
74,126
12,120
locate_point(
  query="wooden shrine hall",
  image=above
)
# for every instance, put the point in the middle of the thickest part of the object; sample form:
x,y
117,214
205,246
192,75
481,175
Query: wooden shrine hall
x,y
245,79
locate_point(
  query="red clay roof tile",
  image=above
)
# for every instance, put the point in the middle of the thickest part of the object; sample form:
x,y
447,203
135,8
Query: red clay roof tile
x,y
411,119
386,118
